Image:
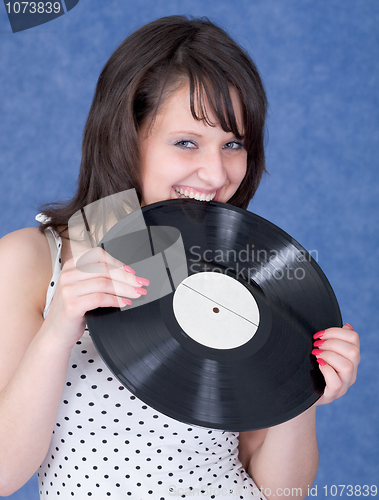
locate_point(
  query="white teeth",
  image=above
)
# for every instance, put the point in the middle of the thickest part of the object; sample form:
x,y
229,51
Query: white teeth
x,y
184,193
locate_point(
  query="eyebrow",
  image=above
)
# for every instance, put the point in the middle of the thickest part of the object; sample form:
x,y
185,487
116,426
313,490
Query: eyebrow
x,y
188,132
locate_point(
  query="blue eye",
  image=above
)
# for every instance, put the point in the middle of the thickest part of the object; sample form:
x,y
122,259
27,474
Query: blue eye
x,y
185,144
233,145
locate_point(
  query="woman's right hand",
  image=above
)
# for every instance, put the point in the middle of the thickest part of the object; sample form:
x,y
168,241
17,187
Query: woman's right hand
x,y
34,352
96,280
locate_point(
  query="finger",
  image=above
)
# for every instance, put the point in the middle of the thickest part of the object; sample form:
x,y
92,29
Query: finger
x,y
344,341
341,347
122,287
345,333
94,260
344,367
333,385
348,348
337,352
95,300
100,263
71,275
119,282
126,284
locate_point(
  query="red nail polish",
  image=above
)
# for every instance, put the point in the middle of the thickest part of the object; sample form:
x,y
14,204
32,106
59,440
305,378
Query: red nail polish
x,y
143,281
316,352
141,291
318,343
318,334
126,301
349,325
320,361
128,269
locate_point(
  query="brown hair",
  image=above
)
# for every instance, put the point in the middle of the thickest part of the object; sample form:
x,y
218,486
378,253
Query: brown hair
x,y
130,90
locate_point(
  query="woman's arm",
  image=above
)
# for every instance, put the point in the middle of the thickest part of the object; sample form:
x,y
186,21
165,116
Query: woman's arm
x,y
34,353
286,456
285,462
31,371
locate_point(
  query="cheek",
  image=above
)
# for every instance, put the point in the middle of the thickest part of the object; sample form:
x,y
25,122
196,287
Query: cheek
x,y
153,171
158,179
238,170
163,164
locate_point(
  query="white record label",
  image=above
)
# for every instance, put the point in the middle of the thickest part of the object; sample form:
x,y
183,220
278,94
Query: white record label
x,y
216,310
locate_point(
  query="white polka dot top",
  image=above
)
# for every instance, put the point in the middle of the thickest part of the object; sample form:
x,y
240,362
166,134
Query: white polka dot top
x,y
108,443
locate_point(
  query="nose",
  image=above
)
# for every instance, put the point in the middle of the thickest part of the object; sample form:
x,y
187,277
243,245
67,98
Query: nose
x,y
212,170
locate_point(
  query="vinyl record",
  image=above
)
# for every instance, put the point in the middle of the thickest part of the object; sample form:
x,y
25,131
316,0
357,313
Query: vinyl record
x,y
224,340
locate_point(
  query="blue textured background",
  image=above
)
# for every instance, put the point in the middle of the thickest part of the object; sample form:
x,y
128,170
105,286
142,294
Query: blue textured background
x,y
319,63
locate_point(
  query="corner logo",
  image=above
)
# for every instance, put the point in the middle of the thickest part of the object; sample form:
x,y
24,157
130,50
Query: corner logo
x,y
25,15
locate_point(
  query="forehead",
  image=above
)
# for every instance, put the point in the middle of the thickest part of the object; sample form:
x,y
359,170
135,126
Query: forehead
x,y
175,110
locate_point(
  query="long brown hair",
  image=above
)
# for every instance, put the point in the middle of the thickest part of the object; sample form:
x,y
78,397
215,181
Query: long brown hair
x,y
131,88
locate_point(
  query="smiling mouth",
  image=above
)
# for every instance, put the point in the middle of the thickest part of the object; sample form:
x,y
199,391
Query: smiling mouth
x,y
193,194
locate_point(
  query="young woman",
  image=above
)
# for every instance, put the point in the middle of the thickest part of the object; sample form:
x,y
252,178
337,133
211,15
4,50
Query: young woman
x,y
178,111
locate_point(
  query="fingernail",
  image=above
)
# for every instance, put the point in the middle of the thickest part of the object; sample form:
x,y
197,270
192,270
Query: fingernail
x,y
320,361
318,343
349,325
141,291
126,301
128,269
143,281
316,352
318,334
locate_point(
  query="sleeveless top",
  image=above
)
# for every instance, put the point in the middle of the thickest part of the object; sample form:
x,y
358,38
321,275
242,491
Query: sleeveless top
x,y
108,443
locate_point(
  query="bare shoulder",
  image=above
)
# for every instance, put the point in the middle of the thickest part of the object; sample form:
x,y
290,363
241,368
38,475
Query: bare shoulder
x,y
25,271
25,265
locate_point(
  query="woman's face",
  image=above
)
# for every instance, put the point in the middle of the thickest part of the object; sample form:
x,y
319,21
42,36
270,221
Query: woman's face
x,y
183,157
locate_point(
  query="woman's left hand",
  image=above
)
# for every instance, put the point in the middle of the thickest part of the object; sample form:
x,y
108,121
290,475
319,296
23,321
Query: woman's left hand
x,y
337,352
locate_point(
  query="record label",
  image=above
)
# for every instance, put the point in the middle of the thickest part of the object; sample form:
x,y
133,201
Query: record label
x,y
215,310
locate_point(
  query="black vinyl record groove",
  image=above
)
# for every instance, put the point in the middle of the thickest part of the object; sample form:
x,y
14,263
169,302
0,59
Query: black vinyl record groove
x,y
271,378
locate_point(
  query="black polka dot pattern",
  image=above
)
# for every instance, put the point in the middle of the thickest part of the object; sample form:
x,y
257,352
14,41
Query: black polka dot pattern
x,y
108,443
